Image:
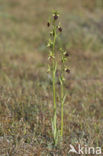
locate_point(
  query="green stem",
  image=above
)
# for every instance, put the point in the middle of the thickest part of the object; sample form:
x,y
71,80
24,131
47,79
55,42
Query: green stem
x,y
54,70
62,105
62,96
54,101
54,92
54,97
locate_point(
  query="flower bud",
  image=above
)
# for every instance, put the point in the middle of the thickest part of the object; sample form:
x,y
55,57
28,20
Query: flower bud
x,y
48,24
52,33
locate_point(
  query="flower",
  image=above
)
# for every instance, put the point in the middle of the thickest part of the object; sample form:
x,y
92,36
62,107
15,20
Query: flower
x,y
55,17
60,29
66,54
48,24
67,70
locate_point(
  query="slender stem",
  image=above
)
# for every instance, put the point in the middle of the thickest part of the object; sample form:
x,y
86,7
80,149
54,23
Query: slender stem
x,y
54,101
54,91
62,95
62,115
54,68
54,97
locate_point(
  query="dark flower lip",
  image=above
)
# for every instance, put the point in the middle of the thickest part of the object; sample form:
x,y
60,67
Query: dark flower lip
x,y
48,24
67,70
66,54
55,17
60,29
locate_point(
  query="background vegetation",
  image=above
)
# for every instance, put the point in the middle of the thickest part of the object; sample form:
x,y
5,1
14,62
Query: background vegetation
x,y
25,85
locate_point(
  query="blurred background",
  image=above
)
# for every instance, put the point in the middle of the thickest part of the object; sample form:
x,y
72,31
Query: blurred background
x,y
24,33
25,91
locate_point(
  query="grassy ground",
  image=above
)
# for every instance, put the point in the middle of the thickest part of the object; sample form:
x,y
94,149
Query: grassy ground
x,y
25,86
